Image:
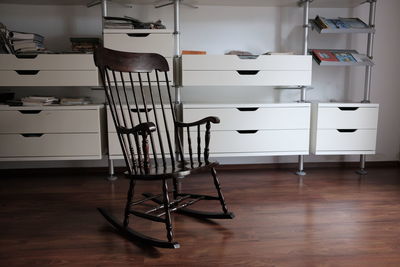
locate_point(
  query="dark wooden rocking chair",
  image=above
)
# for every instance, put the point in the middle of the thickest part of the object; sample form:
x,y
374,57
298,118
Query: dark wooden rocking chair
x,y
137,88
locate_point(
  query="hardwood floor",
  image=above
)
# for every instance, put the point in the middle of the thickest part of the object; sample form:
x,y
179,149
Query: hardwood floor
x,y
332,218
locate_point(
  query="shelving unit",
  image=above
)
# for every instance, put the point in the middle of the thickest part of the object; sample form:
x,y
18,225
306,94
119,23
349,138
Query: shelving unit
x,y
291,71
352,139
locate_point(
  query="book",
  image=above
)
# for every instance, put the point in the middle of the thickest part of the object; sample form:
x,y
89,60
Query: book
x,y
15,35
38,100
339,57
354,23
324,55
193,52
278,53
344,57
31,45
75,101
339,23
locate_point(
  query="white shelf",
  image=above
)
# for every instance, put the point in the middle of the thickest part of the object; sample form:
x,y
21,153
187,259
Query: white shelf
x,y
279,3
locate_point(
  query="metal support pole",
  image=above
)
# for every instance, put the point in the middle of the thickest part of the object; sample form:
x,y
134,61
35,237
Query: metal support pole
x,y
103,12
306,26
368,70
111,174
370,47
177,82
301,171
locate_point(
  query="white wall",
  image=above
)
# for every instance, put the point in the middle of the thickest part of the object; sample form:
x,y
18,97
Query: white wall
x,y
255,29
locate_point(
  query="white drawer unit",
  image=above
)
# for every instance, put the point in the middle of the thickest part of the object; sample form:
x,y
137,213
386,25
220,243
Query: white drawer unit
x,y
114,147
140,41
232,70
48,70
344,128
51,133
254,130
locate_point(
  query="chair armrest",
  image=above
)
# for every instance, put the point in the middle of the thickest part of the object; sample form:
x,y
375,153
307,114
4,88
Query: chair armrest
x,y
146,127
211,119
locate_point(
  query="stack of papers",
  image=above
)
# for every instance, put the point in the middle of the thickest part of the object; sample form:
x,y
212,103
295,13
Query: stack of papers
x,y
38,100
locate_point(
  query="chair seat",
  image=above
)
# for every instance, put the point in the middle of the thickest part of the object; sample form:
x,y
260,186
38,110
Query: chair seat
x,y
170,171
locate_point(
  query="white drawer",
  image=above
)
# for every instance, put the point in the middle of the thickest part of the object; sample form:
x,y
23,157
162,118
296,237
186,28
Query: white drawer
x,y
114,147
335,142
160,43
48,62
142,114
269,141
49,78
50,145
256,118
143,76
348,117
233,62
49,121
242,78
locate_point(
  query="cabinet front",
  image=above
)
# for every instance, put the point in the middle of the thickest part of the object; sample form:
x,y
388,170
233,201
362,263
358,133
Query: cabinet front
x,y
160,43
49,121
49,145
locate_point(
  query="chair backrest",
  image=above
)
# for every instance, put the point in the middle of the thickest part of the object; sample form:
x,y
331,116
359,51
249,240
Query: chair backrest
x,y
138,91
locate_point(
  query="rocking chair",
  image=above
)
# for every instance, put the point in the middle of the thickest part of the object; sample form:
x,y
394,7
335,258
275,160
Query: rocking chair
x,y
139,98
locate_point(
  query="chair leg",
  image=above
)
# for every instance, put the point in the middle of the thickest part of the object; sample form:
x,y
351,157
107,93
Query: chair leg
x,y
168,223
129,201
130,233
218,187
176,187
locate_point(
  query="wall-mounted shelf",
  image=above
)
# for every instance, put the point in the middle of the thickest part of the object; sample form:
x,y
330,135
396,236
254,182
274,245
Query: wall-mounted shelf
x,y
315,27
332,60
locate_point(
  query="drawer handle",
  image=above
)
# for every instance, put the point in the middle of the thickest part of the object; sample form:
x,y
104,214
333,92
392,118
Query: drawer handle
x,y
141,110
346,130
247,72
247,109
32,135
138,34
348,108
247,131
248,57
30,111
27,72
25,56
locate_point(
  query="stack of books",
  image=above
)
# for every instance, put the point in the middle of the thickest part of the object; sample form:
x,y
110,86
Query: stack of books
x,y
39,100
26,42
75,101
84,44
